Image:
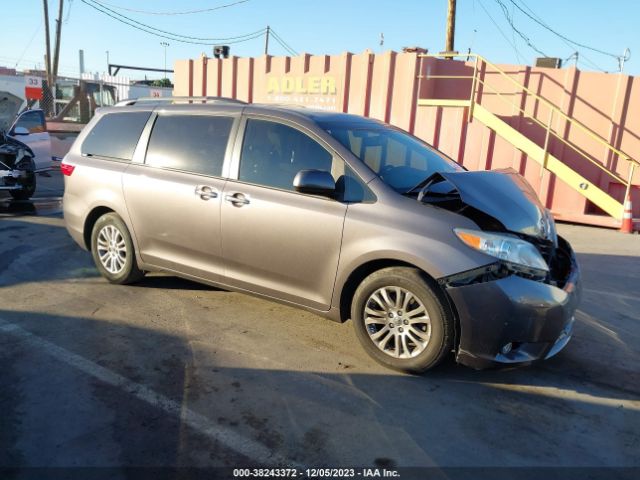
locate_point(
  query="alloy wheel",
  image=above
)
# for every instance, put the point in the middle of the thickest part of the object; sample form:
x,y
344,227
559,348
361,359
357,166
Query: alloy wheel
x,y
112,249
397,322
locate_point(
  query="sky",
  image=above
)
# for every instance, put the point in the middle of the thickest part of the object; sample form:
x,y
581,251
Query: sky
x,y
324,27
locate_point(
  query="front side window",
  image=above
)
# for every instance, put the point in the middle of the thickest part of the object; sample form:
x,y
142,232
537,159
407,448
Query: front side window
x,y
32,121
193,143
115,135
273,153
399,159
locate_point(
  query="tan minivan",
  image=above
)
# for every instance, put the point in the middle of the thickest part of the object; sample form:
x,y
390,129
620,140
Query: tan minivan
x,y
338,214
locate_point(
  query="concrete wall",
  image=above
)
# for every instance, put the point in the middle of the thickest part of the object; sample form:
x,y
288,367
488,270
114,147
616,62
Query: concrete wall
x,y
387,86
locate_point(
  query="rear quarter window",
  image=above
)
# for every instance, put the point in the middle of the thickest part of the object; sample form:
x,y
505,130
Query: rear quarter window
x,y
191,143
115,135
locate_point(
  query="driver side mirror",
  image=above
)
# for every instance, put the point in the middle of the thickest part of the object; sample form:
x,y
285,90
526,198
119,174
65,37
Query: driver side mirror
x,y
315,182
21,131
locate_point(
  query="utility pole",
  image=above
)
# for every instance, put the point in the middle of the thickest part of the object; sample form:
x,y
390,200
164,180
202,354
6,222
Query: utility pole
x,y
47,40
451,27
108,67
266,41
56,55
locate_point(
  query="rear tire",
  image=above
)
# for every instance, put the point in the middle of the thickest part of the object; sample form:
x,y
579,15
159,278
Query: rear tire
x,y
402,319
113,252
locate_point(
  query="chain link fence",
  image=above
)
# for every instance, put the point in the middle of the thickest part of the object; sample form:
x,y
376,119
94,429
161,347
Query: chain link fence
x,y
75,100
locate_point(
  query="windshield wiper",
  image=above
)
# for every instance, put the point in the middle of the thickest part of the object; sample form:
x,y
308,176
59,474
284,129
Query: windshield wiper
x,y
424,183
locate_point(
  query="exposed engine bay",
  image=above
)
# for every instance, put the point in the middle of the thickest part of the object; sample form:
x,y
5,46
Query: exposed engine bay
x,y
17,168
501,201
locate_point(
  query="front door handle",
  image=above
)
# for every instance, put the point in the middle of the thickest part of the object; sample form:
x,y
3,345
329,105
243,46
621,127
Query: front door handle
x,y
205,192
238,199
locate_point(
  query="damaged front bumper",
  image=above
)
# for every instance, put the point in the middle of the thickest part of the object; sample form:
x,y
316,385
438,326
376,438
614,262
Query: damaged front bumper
x,y
515,320
13,179
16,165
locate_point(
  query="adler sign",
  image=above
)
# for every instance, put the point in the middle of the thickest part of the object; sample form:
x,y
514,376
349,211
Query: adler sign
x,y
311,85
313,91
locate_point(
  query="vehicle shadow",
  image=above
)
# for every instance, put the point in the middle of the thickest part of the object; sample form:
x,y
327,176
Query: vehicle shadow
x,y
109,391
26,245
170,282
8,206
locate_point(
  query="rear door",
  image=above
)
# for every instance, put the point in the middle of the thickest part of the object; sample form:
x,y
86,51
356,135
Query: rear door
x,y
174,198
38,138
275,241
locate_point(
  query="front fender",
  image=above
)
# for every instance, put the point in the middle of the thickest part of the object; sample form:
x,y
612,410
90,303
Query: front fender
x,y
371,235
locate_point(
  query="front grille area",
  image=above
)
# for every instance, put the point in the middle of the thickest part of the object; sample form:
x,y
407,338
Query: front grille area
x,y
557,257
547,249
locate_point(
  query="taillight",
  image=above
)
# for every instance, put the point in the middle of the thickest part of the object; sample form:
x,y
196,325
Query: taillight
x,y
67,169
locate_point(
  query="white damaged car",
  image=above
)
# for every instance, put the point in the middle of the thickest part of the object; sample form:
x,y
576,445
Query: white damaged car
x,y
21,159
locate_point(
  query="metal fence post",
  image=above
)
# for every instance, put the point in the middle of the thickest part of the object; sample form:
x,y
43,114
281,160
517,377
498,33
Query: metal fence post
x,y
546,143
472,98
420,77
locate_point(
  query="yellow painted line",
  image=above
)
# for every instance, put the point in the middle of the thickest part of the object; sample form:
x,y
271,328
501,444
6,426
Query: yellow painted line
x,y
440,102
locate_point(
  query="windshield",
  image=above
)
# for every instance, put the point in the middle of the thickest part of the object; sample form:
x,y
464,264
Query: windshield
x,y
401,160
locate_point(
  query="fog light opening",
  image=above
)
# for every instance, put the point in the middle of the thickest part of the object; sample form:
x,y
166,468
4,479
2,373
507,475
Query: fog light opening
x,y
506,348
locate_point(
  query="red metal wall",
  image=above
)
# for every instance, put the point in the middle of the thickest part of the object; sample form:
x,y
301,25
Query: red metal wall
x,y
387,86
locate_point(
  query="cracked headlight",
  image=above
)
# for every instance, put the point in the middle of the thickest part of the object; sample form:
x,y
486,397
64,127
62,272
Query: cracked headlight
x,y
510,249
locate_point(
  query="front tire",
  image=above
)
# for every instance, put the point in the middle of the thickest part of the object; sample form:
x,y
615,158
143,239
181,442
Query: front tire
x,y
113,252
402,319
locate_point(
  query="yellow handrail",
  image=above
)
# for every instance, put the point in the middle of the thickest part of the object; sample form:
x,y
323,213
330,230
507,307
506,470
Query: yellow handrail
x,y
573,121
547,126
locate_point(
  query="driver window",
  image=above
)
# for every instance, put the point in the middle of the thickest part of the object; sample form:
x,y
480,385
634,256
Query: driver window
x,y
273,153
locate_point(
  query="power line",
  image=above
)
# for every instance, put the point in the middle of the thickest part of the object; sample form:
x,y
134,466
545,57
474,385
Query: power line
x,y
188,12
526,39
169,35
504,35
284,44
581,55
547,27
66,18
167,32
291,52
28,44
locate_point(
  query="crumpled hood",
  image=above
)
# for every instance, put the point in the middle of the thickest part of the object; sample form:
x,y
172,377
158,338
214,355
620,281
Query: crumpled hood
x,y
12,152
506,196
9,108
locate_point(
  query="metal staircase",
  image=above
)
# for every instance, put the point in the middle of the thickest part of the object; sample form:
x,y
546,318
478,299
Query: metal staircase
x,y
539,153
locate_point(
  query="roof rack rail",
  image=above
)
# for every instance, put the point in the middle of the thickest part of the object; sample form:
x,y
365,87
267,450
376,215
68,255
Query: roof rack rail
x,y
160,100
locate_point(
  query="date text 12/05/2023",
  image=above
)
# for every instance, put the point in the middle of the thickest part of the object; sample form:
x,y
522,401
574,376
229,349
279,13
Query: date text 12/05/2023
x,y
315,473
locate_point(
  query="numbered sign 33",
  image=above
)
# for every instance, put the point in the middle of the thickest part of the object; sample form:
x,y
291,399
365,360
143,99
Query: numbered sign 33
x,y
33,88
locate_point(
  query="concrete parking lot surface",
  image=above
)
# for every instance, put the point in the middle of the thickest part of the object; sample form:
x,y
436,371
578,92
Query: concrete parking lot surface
x,y
170,372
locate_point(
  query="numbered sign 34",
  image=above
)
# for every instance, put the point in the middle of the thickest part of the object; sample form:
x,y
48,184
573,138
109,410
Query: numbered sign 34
x,y
33,88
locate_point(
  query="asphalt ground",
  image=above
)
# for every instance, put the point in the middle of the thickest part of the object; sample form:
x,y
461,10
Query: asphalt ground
x,y
170,373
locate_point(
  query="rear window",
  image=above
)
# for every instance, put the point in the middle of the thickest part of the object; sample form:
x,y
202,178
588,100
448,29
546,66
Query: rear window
x,y
115,135
192,143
